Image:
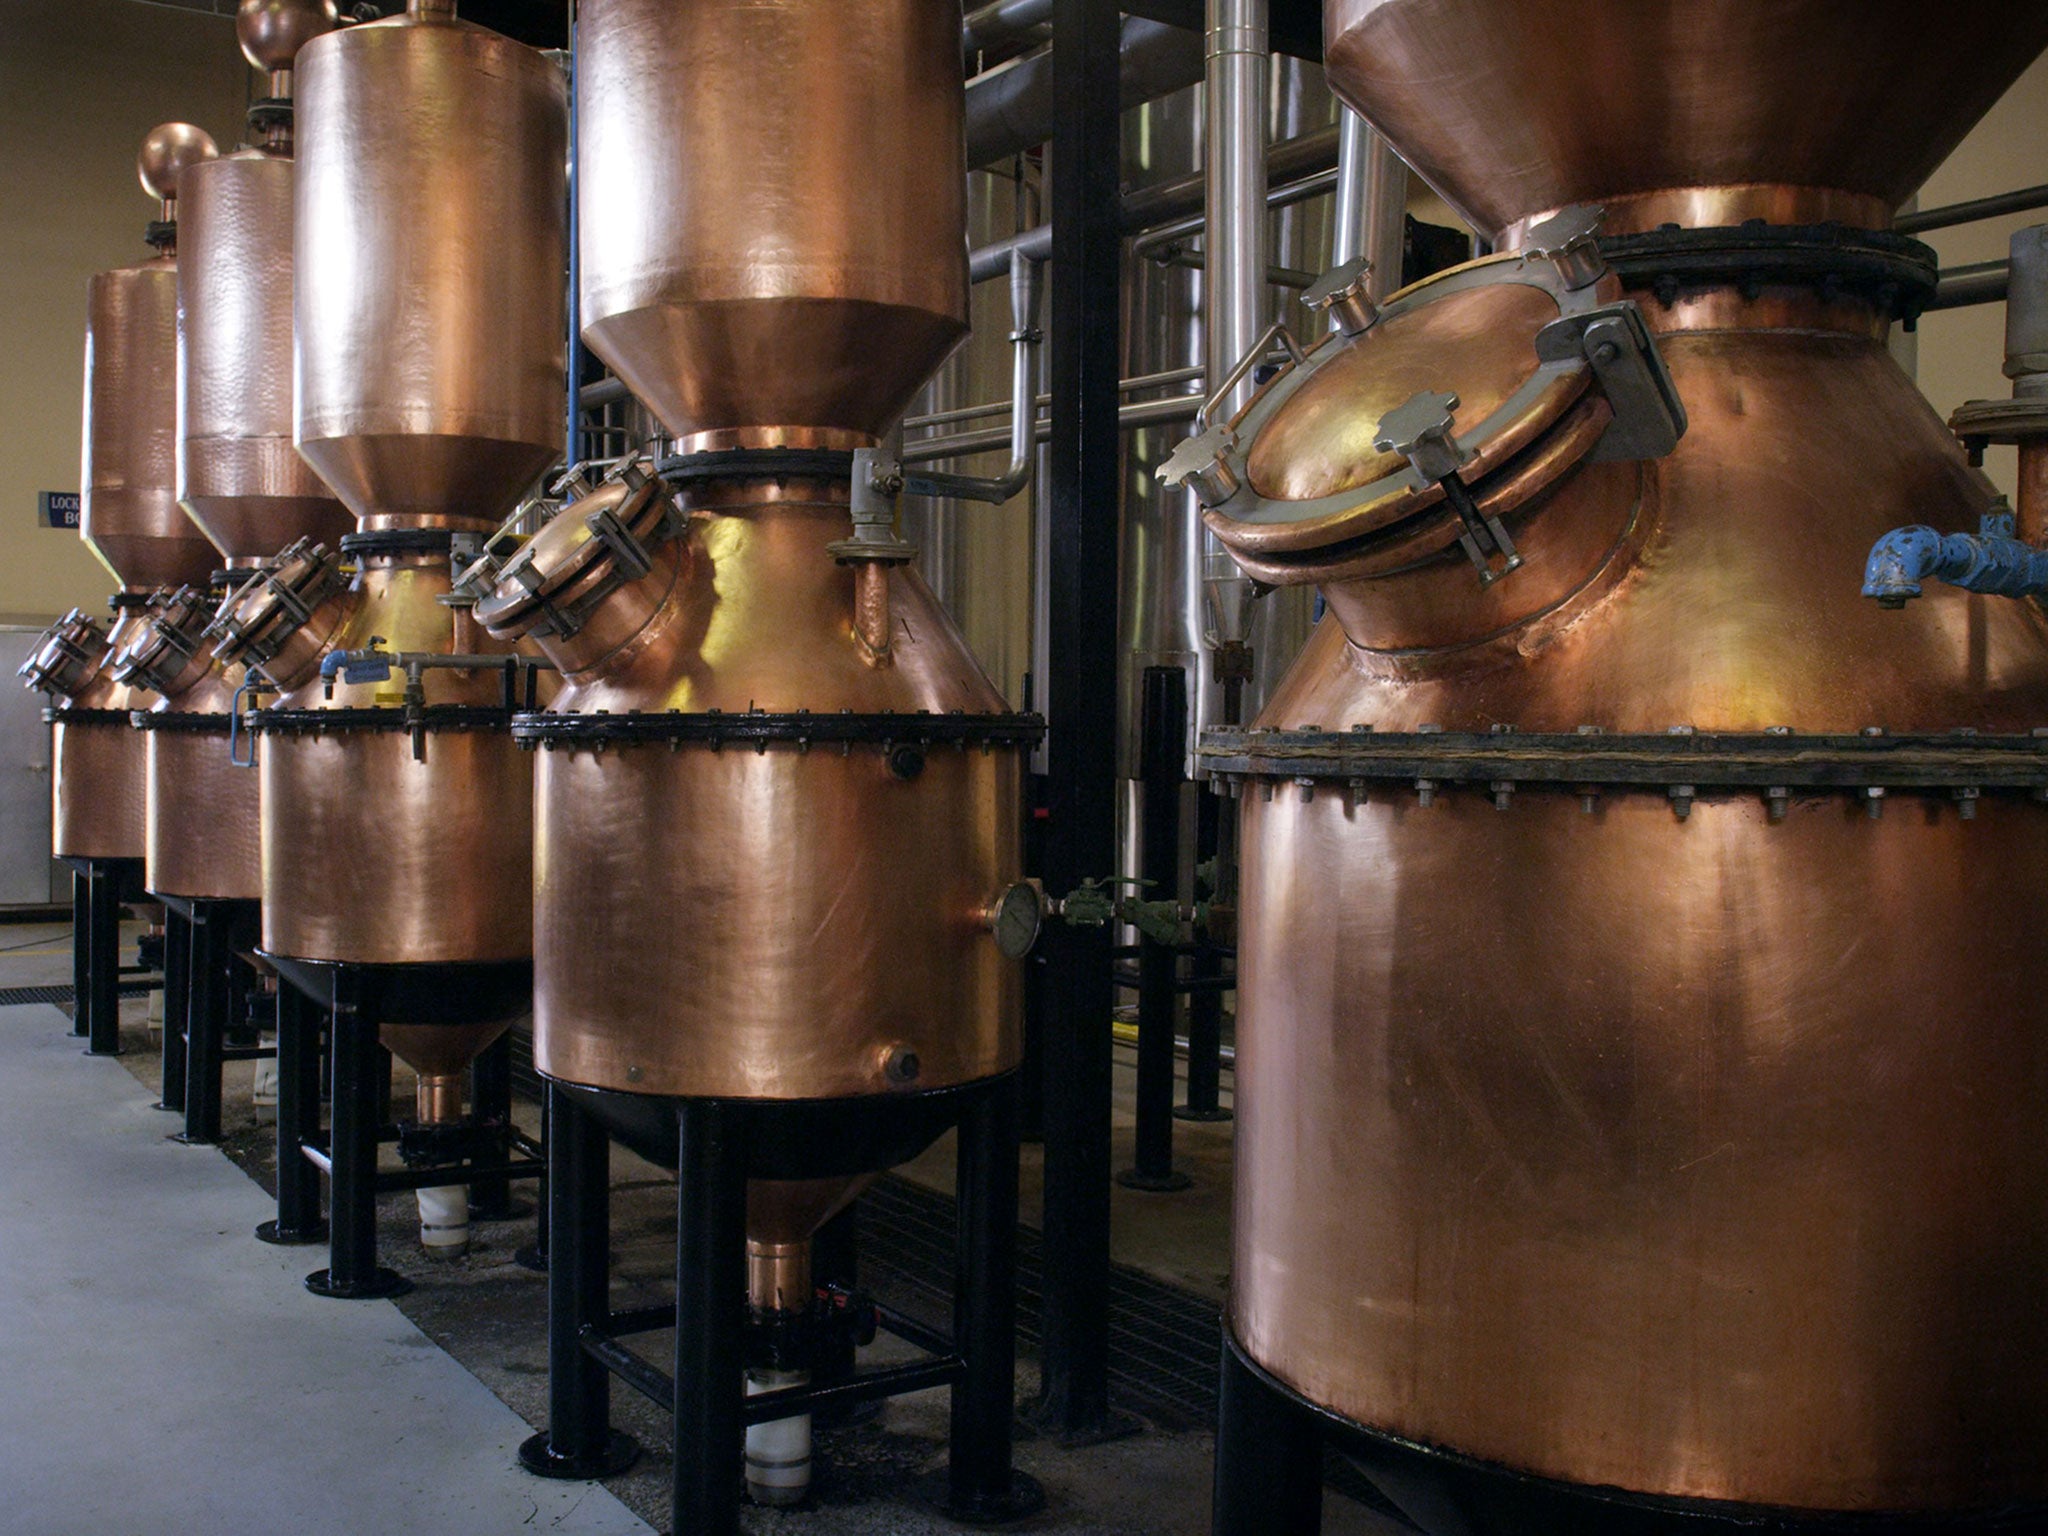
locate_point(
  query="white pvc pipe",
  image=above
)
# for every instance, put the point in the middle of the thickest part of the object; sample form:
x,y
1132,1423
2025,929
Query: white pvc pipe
x,y
779,1452
444,1221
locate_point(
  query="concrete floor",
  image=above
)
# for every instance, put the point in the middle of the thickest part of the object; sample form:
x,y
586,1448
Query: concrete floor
x,y
246,1404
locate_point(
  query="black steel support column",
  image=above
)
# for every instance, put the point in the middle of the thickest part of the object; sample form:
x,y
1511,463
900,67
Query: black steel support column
x,y
490,1103
534,1256
1162,744
711,1304
298,1111
81,949
1082,490
103,1013
579,1441
1269,1459
208,1001
982,1486
177,1002
352,1271
1205,999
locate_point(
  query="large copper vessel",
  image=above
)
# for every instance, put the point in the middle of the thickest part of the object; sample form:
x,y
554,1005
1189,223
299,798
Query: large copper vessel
x,y
429,254
239,477
129,518
776,799
1620,1110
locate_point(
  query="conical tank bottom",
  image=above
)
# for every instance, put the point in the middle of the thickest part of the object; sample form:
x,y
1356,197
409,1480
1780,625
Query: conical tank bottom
x,y
1510,108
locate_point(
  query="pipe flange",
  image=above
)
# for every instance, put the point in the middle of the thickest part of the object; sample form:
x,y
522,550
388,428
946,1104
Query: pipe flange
x,y
1894,272
760,729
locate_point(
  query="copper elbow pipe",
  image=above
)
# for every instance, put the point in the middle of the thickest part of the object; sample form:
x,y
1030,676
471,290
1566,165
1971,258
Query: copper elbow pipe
x,y
438,1098
778,1275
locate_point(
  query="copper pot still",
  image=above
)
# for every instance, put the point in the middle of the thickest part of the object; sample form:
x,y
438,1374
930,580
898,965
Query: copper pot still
x,y
429,313
98,783
1674,1134
776,797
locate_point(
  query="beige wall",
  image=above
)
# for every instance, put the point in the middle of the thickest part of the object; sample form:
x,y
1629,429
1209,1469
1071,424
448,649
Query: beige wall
x,y
81,82
1962,350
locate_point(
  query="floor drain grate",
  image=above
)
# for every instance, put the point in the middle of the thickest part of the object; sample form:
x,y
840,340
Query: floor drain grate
x,y
63,996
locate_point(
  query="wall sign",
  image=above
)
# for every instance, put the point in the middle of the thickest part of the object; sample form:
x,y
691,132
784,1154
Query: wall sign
x,y
57,509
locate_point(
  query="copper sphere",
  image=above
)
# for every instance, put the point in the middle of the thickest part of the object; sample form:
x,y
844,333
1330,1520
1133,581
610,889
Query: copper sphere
x,y
169,148
273,31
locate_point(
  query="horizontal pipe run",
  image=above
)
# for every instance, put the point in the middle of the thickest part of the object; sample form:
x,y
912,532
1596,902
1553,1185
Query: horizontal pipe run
x,y
912,1332
999,24
2024,200
657,1386
1142,413
1142,381
1982,282
1286,194
1195,261
1127,1034
890,1381
641,1319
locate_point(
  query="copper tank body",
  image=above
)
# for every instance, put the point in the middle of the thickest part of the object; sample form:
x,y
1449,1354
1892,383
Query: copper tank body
x,y
795,922
777,254
373,854
430,253
130,514
430,249
1692,1154
239,476
98,774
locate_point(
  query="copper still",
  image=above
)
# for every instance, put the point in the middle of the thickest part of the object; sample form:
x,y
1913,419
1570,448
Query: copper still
x,y
429,252
239,477
777,802
130,520
1639,1074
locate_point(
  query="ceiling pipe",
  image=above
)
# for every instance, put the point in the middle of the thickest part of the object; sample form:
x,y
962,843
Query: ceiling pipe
x,y
1010,109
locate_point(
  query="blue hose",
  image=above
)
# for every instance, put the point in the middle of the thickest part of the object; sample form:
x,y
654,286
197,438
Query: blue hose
x,y
1990,560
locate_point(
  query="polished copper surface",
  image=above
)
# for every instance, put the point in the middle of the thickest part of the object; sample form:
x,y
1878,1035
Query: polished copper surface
x,y
272,32
771,254
129,514
202,811
260,622
1512,107
239,476
430,258
1715,1138
98,771
371,854
168,151
782,1217
783,923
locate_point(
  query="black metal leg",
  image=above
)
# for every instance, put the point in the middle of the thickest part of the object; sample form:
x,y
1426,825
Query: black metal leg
x,y
103,1017
177,974
81,949
298,1111
1269,1459
490,1103
535,1255
352,1270
206,1021
1163,723
1205,1000
982,1486
579,1440
381,1086
711,1298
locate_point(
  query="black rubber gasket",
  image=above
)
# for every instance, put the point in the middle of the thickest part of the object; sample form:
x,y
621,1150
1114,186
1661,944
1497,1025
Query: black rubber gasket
x,y
61,714
1699,759
201,721
398,541
1895,272
398,719
757,464
760,729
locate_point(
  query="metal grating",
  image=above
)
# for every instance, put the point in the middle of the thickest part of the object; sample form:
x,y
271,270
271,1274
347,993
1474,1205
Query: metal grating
x,y
63,996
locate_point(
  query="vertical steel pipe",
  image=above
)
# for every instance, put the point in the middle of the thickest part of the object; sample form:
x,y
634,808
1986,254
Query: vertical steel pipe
x,y
1372,202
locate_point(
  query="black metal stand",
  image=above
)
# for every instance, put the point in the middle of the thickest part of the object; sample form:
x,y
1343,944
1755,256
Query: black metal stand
x,y
359,1000
490,1104
299,1033
717,1145
215,997
98,887
1205,991
1162,735
579,1441
177,971
1269,1457
352,1271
